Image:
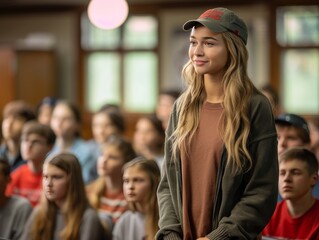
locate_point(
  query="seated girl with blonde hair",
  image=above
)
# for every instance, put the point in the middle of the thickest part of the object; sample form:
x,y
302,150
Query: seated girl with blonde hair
x,y
106,193
141,178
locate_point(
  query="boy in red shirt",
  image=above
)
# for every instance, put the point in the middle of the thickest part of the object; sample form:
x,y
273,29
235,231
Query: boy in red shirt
x,y
36,141
297,216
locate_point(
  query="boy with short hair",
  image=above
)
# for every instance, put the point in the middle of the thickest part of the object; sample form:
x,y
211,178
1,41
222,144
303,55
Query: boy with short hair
x,y
297,216
15,114
292,131
36,142
14,210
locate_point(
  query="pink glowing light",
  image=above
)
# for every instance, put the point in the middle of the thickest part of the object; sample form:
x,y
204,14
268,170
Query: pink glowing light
x,y
107,14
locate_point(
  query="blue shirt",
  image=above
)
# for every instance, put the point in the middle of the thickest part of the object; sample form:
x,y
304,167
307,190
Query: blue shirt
x,y
86,156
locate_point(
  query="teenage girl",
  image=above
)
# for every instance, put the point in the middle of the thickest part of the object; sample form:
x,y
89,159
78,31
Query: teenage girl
x,y
64,212
106,193
149,137
141,178
107,121
66,124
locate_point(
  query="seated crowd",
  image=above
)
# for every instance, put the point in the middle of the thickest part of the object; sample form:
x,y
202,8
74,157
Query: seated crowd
x,y
54,184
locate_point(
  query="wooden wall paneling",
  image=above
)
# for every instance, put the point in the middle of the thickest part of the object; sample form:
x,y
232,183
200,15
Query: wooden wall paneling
x,y
7,76
36,75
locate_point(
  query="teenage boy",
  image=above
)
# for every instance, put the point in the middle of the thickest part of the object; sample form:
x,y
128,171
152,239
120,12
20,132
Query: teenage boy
x,y
292,131
297,216
15,114
14,210
36,142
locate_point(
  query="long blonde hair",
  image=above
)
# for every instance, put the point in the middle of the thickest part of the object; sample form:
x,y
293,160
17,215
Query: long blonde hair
x,y
151,168
238,90
75,203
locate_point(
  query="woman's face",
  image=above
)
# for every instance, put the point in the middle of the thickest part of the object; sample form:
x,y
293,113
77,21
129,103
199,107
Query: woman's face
x,y
136,185
102,127
146,137
110,162
63,122
55,184
207,51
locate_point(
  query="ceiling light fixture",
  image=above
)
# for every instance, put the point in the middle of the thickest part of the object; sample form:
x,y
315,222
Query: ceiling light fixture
x,y
107,14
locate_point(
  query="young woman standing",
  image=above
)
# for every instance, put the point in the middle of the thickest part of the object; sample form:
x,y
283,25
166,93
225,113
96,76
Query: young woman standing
x,y
220,173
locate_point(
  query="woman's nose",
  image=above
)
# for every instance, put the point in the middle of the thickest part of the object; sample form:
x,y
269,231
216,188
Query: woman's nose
x,y
198,50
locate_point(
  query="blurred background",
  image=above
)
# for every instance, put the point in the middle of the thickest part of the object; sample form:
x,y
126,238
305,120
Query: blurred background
x,y
50,48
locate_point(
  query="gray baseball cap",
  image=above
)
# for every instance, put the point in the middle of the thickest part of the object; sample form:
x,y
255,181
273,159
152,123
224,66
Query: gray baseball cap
x,y
294,120
220,20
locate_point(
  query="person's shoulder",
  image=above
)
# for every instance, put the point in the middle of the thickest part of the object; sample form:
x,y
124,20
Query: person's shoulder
x,y
260,107
19,203
82,149
280,208
126,216
79,142
92,144
259,99
90,214
89,211
132,216
20,171
282,204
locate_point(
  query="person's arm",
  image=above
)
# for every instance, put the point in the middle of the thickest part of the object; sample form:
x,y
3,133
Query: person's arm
x,y
169,223
259,186
28,225
22,210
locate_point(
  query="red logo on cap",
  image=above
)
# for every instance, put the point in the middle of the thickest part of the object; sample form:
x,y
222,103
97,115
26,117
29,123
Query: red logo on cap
x,y
213,14
236,32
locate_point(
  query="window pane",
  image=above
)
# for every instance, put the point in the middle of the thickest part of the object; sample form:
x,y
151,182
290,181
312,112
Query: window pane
x,y
96,38
140,82
140,32
301,81
298,25
102,80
